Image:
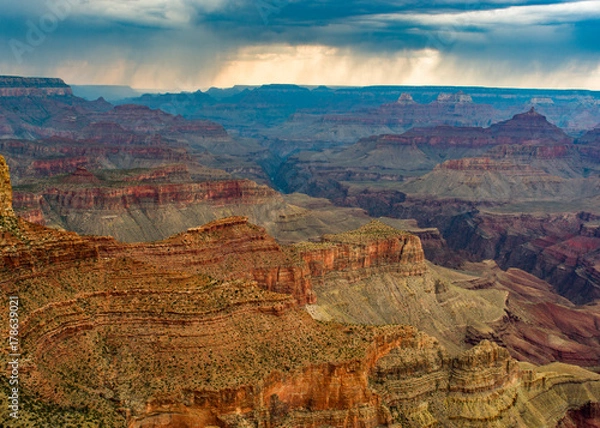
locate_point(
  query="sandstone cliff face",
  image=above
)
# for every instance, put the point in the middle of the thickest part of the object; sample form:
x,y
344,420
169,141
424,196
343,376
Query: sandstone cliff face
x,y
121,199
141,119
551,246
232,249
55,156
529,152
529,128
50,167
585,417
537,325
29,207
373,245
498,181
145,205
438,136
107,297
483,387
6,196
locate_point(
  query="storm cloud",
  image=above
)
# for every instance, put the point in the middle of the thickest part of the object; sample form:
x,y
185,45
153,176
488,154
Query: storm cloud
x,y
189,44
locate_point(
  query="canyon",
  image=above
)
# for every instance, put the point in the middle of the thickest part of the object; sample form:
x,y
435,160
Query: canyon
x,y
430,256
138,311
520,192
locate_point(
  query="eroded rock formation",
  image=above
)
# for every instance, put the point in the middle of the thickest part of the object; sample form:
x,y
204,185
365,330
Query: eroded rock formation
x,y
31,86
206,329
6,196
373,245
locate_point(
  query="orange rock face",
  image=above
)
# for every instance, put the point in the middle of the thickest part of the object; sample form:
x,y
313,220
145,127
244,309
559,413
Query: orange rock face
x,y
6,195
231,249
373,245
82,192
123,198
154,307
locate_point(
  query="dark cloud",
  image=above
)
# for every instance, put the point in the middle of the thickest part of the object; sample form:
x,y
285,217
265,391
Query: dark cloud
x,y
194,39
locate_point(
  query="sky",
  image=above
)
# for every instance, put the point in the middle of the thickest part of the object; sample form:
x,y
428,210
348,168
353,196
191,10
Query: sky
x,y
195,44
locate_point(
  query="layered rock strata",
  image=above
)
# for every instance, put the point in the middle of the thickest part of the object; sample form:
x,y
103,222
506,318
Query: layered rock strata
x,y
373,245
483,387
6,197
184,333
30,86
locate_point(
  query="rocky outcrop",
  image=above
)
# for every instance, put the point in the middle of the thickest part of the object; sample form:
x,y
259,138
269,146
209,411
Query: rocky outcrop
x,y
524,153
589,144
50,167
497,181
153,203
116,200
554,247
439,136
6,195
590,138
246,250
143,120
145,205
29,207
178,289
56,156
587,416
475,165
458,97
405,98
251,254
373,245
32,86
528,128
46,108
483,387
169,173
541,327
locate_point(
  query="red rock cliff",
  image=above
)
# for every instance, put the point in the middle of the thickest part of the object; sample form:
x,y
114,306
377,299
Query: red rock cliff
x,y
122,198
373,245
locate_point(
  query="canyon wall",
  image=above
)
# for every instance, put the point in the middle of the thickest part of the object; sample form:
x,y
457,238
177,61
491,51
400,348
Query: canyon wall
x,y
6,196
373,245
31,86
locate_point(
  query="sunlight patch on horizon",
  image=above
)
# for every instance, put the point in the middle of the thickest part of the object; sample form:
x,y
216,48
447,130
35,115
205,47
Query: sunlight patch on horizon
x,y
325,65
